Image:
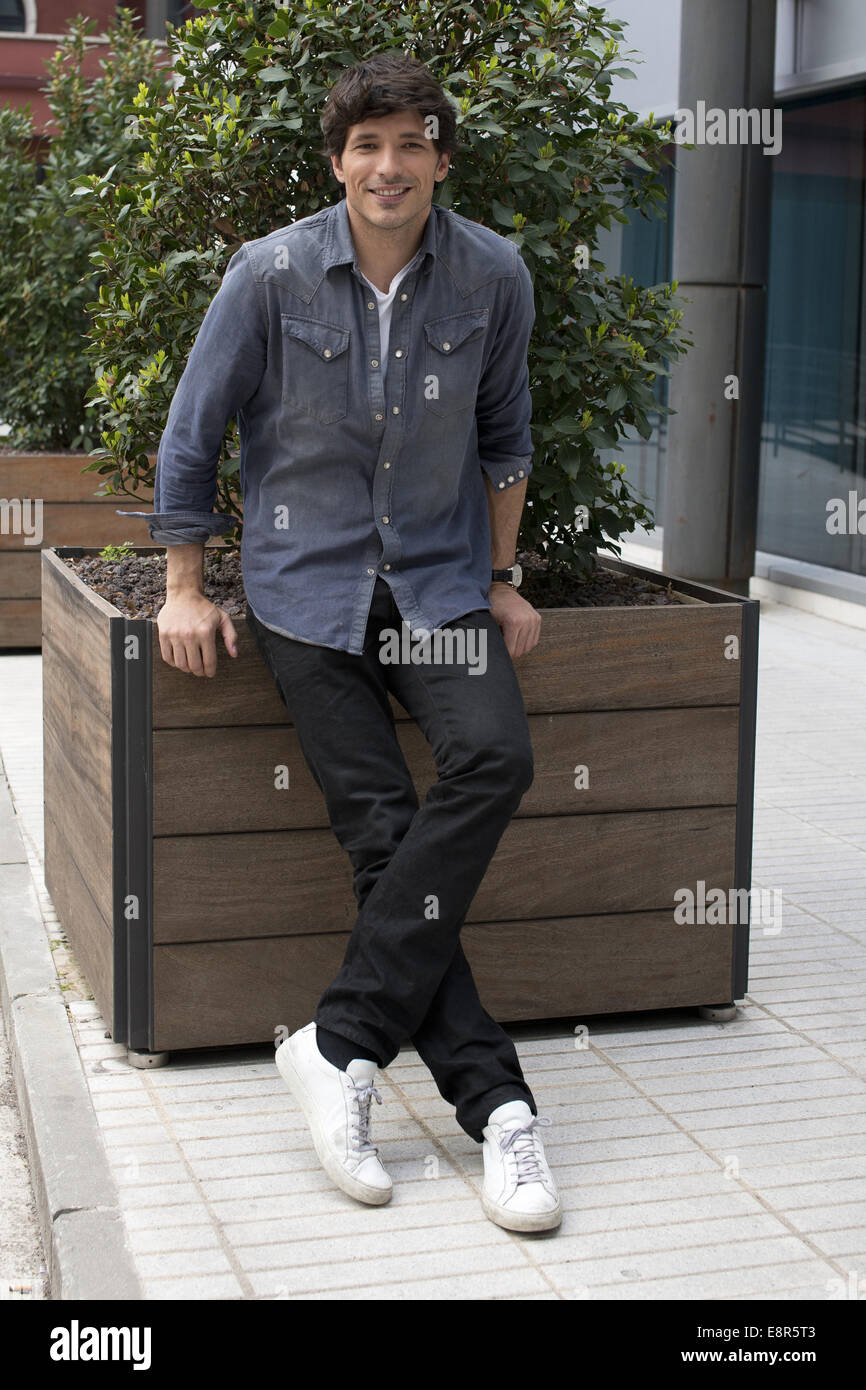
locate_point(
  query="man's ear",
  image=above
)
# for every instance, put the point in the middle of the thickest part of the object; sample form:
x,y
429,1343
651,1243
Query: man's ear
x,y
337,166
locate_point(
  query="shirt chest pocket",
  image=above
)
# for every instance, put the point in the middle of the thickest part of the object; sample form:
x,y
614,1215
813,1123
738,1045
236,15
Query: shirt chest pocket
x,y
315,368
454,349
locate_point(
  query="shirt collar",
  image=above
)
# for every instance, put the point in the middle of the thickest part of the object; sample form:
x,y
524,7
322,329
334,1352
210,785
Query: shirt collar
x,y
340,248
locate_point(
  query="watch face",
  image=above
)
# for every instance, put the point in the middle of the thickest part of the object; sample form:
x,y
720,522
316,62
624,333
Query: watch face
x,y
516,576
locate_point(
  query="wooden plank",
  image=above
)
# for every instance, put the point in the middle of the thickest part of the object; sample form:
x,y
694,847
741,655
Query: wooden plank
x,y
77,775
597,965
75,620
216,887
90,935
234,992
586,659
241,692
20,622
84,523
631,658
636,760
20,573
59,478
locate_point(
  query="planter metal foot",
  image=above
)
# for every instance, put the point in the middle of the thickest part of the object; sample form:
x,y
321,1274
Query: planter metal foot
x,y
146,1059
718,1013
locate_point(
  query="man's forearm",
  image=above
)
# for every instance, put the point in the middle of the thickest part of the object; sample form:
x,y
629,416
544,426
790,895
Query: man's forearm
x,y
183,569
505,509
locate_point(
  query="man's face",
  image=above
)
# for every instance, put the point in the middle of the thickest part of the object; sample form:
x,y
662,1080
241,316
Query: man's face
x,y
390,154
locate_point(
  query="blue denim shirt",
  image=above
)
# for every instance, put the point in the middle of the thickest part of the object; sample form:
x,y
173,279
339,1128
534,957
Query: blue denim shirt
x,y
344,479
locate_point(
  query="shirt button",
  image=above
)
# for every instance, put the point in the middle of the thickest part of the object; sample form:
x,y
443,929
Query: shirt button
x,y
395,410
387,463
385,519
380,417
520,472
511,477
404,296
502,485
399,352
446,347
370,304
386,567
370,571
327,353
373,362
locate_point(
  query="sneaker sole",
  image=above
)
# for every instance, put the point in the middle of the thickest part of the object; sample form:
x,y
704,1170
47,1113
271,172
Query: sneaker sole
x,y
521,1220
361,1191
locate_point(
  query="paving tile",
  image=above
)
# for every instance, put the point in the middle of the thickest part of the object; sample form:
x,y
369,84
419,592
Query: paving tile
x,y
808,1277
816,1195
197,1286
190,1238
849,1243
329,1200
485,1261
457,1287
365,1250
166,1217
167,1264
841,1216
831,1127
348,1222
657,1264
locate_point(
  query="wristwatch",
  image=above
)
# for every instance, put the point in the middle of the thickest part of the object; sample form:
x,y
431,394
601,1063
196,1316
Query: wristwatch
x,y
512,576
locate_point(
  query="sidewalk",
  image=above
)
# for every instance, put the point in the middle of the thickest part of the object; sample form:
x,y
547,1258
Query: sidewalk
x,y
695,1159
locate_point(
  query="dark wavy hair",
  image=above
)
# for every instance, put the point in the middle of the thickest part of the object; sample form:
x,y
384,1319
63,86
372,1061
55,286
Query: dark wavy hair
x,y
378,86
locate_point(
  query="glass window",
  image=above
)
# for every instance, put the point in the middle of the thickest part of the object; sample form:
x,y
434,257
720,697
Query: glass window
x,y
12,19
642,248
812,446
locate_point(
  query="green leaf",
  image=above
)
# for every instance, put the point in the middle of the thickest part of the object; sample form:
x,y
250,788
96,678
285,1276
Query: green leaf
x,y
503,215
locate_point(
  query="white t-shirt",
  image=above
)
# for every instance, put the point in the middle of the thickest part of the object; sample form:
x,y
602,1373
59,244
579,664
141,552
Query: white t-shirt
x,y
384,301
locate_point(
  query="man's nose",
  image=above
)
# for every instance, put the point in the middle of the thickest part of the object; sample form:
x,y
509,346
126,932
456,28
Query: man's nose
x,y
388,169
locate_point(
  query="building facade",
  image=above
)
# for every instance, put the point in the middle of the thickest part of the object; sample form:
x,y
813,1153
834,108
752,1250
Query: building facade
x,y
30,29
813,438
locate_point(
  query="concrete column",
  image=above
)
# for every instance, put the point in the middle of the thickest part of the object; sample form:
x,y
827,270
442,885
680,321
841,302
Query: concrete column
x,y
720,258
156,13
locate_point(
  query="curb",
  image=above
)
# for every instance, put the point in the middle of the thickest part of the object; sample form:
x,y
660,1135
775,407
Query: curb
x,y
80,1217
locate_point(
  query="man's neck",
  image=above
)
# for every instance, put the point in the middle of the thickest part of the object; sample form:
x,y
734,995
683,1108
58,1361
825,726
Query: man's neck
x,y
381,254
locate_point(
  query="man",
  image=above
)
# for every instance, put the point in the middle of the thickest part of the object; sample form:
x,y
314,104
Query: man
x,y
375,353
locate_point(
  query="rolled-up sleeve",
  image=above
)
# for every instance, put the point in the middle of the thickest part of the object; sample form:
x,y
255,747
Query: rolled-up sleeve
x,y
504,404
223,371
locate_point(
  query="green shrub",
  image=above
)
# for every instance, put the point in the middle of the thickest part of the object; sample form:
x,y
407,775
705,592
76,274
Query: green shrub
x,y
117,552
547,159
46,275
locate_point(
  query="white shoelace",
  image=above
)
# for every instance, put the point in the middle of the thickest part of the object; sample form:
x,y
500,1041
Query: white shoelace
x,y
524,1146
361,1141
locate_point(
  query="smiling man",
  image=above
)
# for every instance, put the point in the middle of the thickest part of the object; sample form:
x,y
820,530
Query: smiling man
x,y
376,356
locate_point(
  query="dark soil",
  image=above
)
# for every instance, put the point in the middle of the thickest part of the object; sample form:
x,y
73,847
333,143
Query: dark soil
x,y
136,586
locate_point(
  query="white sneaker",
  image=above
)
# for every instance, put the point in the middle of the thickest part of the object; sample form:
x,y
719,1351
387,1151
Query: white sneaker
x,y
337,1107
518,1192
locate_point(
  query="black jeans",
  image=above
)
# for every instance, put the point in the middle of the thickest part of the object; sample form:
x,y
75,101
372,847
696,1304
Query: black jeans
x,y
416,870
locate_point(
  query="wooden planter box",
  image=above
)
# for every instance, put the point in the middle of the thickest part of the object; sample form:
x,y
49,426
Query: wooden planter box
x,y
71,515
206,907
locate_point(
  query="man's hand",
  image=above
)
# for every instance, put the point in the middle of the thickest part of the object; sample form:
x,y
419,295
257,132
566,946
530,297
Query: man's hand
x,y
187,626
520,623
